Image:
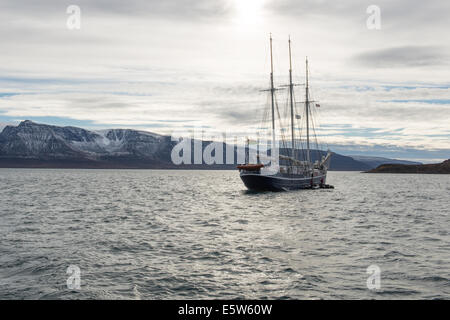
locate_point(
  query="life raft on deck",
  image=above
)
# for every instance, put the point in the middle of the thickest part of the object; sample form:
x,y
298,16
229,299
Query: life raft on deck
x,y
250,167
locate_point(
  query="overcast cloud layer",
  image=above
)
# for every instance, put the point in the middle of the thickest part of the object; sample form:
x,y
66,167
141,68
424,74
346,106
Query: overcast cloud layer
x,y
162,65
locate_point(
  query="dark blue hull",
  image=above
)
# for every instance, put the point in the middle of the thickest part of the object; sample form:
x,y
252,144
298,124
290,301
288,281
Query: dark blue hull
x,y
258,182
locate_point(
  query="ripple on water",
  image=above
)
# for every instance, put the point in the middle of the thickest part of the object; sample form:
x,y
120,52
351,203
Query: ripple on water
x,y
143,234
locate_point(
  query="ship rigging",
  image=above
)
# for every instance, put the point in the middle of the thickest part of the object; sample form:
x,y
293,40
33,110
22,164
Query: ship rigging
x,y
292,166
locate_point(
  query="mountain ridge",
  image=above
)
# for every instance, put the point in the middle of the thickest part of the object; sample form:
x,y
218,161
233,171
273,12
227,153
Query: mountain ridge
x,y
32,145
377,161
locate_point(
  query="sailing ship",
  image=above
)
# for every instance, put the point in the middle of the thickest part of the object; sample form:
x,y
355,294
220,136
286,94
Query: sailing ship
x,y
297,170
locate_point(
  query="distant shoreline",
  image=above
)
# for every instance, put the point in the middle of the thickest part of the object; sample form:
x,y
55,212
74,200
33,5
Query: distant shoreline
x,y
434,168
102,166
36,145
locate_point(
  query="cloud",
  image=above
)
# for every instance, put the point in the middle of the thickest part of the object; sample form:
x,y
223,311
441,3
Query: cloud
x,y
315,8
394,13
167,9
406,56
167,64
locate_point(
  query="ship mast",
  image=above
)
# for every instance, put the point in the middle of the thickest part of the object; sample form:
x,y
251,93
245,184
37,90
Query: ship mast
x,y
291,94
272,93
308,156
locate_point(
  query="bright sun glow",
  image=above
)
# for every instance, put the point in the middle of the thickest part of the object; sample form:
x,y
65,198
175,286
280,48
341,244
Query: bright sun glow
x,y
248,12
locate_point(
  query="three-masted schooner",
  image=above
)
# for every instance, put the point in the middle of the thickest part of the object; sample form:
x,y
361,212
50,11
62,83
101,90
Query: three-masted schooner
x,y
290,172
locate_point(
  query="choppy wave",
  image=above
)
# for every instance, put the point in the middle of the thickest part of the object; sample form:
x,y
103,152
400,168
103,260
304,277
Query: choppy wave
x,y
142,234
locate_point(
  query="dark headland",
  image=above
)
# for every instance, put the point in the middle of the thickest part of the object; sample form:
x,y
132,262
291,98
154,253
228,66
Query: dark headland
x,y
434,168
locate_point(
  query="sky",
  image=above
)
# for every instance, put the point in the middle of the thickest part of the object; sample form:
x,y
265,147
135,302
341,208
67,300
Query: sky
x,y
167,65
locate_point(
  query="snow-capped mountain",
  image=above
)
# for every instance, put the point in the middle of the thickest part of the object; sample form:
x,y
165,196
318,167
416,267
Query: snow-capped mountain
x,y
31,144
30,140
